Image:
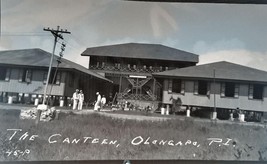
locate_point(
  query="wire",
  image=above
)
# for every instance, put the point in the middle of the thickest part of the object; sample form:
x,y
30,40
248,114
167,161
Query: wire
x,y
78,40
24,34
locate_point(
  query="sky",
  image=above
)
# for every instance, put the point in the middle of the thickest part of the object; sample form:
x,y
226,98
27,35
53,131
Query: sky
x,y
216,32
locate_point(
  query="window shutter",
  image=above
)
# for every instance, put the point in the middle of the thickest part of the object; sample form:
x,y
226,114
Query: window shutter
x,y
236,90
208,88
182,87
250,91
8,74
170,86
58,78
45,78
222,89
196,87
20,75
28,76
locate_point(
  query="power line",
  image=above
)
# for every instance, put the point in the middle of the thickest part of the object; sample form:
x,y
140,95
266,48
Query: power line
x,y
70,45
23,34
78,40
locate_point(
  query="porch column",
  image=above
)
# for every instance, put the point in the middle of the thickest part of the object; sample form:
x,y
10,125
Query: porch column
x,y
154,85
168,109
214,115
120,84
136,94
188,112
231,116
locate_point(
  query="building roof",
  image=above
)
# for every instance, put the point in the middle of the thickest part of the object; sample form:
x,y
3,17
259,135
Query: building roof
x,y
223,70
142,51
40,58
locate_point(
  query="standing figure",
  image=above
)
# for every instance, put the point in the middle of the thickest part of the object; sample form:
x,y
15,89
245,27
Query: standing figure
x,y
81,99
75,98
103,102
98,102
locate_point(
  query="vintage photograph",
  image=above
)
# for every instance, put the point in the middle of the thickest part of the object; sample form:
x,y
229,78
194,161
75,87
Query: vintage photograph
x,y
132,80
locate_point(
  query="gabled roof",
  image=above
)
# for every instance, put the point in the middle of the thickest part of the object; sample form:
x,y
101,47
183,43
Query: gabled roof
x,y
40,58
223,70
142,51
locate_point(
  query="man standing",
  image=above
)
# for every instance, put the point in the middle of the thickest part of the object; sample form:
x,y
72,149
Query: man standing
x,y
75,99
81,98
98,102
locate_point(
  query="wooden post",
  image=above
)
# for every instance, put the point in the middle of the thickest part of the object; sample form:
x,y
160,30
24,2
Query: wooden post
x,y
214,114
154,85
168,109
38,117
136,94
120,84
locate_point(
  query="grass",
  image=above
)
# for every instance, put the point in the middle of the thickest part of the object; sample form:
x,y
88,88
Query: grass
x,y
248,142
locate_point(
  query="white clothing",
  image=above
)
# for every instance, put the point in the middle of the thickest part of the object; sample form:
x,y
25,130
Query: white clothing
x,y
75,103
98,103
103,101
75,98
81,98
80,105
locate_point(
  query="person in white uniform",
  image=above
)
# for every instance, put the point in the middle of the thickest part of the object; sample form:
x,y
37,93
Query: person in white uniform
x,y
75,99
81,99
103,102
98,102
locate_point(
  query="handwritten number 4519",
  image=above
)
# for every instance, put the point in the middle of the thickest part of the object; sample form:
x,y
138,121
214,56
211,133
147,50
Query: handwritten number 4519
x,y
18,152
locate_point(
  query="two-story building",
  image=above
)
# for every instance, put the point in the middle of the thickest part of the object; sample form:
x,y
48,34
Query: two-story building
x,y
23,75
221,85
130,67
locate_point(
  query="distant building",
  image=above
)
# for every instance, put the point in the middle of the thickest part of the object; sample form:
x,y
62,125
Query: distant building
x,y
231,87
130,67
23,75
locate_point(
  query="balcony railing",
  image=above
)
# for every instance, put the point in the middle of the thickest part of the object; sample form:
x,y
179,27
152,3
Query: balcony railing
x,y
131,69
137,97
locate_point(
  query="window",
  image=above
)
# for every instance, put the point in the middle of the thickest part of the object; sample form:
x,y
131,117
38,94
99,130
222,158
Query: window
x,y
201,87
229,89
25,75
176,86
52,76
4,73
256,91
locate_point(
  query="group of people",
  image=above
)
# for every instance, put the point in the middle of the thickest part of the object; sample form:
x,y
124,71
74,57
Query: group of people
x,y
78,98
100,102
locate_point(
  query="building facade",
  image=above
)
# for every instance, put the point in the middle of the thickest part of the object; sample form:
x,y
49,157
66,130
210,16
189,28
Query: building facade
x,y
130,67
23,75
221,85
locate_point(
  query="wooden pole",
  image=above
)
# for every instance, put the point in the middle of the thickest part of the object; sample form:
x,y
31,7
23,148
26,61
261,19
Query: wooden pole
x,y
214,109
154,86
120,84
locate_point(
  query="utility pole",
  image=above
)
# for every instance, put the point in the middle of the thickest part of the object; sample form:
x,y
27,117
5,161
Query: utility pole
x,y
57,34
214,115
